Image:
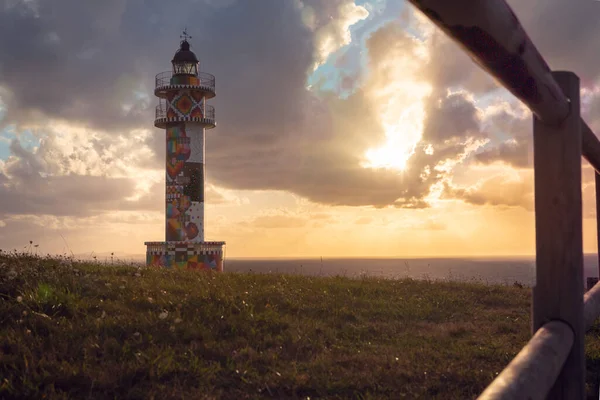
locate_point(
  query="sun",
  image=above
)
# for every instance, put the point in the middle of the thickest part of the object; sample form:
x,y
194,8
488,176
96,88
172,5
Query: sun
x,y
402,138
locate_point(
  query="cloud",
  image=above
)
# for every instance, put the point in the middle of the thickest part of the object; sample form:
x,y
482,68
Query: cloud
x,y
277,222
510,129
333,172
280,218
498,190
425,225
330,21
65,67
76,172
72,195
510,152
363,221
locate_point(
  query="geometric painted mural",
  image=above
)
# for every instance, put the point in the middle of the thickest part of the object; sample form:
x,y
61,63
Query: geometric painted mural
x,y
185,255
184,206
185,103
205,261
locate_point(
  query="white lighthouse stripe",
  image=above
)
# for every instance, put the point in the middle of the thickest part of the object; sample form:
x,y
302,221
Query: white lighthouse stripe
x,y
196,134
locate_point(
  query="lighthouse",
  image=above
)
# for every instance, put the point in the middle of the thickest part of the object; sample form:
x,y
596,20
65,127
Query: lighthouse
x,y
185,116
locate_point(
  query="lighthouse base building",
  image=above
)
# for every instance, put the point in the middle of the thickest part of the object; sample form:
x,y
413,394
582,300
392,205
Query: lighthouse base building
x,y
203,255
183,113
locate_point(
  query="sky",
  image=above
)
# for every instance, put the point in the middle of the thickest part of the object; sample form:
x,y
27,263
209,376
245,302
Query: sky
x,y
345,128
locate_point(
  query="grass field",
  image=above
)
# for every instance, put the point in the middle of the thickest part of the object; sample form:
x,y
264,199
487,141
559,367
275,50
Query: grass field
x,y
82,330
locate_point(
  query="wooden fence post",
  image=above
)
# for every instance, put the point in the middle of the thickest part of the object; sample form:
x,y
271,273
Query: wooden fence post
x,y
597,183
558,294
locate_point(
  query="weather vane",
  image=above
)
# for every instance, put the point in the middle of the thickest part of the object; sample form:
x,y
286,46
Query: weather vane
x,y
185,35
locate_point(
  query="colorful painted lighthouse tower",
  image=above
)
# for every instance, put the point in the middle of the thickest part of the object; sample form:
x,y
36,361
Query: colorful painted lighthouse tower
x,y
183,113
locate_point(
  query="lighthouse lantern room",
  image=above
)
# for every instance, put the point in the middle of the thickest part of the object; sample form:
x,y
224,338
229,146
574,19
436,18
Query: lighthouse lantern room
x,y
184,115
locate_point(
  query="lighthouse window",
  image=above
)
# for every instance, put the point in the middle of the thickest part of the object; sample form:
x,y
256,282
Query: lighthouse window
x,y
185,68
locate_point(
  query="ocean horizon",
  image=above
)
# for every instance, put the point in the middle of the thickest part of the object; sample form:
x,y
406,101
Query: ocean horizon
x,y
487,269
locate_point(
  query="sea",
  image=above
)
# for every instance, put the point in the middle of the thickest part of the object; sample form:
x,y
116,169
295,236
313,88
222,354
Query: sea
x,y
489,270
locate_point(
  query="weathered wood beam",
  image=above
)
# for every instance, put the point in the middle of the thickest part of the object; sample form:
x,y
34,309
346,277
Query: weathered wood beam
x,y
558,292
532,373
493,37
597,190
591,306
590,146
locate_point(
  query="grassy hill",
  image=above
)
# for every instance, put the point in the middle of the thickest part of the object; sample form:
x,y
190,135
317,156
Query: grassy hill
x,y
82,330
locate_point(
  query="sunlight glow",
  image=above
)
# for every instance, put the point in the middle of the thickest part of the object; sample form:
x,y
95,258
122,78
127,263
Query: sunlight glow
x,y
403,123
401,139
398,88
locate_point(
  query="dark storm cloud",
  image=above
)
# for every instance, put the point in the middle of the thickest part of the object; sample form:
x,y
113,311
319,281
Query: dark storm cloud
x,y
513,139
512,153
67,59
451,117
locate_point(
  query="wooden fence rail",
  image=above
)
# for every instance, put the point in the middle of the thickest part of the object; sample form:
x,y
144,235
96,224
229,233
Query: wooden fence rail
x,y
552,364
532,373
534,370
591,306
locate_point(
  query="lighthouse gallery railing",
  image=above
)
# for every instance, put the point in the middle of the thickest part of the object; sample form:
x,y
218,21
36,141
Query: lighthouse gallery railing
x,y
161,111
205,80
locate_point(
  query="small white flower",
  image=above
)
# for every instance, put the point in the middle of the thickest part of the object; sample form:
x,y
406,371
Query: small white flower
x,y
163,314
19,299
